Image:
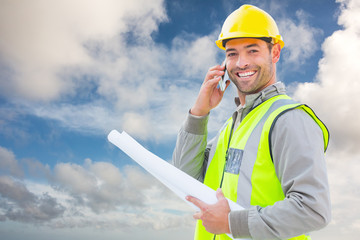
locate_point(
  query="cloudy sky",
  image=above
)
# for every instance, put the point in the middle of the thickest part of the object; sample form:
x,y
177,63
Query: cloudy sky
x,y
71,71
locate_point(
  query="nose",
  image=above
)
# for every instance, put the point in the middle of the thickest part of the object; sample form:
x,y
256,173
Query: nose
x,y
242,61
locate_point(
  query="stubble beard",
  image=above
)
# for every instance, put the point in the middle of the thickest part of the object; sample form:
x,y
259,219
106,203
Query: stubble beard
x,y
264,76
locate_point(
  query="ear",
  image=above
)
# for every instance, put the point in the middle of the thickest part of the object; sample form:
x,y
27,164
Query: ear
x,y
275,52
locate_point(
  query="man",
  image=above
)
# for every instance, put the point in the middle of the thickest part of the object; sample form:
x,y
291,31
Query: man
x,y
269,156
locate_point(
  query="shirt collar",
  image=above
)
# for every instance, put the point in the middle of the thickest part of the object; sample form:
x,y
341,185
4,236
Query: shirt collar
x,y
253,100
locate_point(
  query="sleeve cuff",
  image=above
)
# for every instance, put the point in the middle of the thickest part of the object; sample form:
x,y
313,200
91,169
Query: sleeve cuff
x,y
238,224
196,124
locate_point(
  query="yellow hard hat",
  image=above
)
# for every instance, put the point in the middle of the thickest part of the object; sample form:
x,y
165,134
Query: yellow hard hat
x,y
249,21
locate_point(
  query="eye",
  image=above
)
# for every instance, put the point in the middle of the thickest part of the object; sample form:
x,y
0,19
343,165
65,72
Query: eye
x,y
231,54
253,51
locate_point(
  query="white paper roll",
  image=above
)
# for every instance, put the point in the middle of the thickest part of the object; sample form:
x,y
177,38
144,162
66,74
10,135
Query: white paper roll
x,y
176,180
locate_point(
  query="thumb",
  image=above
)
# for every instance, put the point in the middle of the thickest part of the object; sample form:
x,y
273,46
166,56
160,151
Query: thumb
x,y
219,194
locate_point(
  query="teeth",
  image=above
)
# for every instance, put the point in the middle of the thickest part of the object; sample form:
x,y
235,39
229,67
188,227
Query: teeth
x,y
246,74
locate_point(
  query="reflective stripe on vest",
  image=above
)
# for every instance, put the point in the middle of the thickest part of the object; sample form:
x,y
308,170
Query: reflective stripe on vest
x,y
250,169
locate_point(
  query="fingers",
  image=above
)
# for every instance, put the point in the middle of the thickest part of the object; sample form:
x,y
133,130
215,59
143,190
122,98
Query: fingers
x,y
197,215
219,194
214,217
215,72
221,198
197,202
217,67
209,95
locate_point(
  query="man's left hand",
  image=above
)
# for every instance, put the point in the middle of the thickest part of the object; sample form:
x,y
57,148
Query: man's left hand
x,y
214,217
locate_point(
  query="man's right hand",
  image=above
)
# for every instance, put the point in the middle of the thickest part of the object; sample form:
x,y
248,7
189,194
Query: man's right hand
x,y
209,95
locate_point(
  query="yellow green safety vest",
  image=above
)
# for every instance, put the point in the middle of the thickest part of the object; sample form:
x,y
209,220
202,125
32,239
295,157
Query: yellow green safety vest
x,y
249,147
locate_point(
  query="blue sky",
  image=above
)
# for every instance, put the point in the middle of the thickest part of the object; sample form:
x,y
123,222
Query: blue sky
x,y
71,71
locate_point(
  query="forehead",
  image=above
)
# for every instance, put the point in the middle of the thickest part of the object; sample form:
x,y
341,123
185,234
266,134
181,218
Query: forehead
x,y
244,42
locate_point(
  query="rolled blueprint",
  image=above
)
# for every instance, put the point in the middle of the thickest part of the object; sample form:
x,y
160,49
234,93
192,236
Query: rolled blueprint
x,y
176,180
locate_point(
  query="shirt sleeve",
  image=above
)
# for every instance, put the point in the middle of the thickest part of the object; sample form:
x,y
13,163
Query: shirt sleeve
x,y
191,146
297,146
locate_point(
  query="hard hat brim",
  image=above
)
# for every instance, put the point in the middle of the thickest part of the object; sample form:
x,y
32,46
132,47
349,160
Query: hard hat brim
x,y
221,43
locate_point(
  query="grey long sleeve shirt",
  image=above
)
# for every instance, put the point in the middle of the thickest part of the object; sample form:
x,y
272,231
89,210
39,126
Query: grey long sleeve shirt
x,y
297,147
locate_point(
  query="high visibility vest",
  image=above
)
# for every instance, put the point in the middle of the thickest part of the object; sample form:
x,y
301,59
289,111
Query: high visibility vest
x,y
245,161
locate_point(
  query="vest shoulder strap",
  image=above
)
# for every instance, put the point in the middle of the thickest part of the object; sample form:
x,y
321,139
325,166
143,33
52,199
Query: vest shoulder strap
x,y
311,113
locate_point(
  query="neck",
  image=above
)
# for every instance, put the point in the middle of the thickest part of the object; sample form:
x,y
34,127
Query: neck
x,y
242,95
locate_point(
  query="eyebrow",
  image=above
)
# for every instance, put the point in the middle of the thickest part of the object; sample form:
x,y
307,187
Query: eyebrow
x,y
247,46
230,49
252,45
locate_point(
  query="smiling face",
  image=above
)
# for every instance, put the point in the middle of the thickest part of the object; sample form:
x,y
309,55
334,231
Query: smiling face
x,y
251,64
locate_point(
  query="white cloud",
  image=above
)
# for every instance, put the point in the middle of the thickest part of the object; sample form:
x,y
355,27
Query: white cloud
x,y
191,55
129,197
99,186
9,164
333,95
95,117
344,180
54,35
17,203
94,194
145,91
301,39
77,59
